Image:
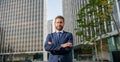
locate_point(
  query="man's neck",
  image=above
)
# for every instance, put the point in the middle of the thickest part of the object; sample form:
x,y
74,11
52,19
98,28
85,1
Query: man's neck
x,y
59,31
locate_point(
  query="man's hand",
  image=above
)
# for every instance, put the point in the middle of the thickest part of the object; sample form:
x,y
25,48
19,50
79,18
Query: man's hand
x,y
68,44
49,42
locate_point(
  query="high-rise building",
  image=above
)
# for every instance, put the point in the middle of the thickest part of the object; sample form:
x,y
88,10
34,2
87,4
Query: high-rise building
x,y
23,24
70,11
50,26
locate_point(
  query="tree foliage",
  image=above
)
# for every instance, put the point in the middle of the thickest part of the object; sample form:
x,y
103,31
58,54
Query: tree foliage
x,y
94,19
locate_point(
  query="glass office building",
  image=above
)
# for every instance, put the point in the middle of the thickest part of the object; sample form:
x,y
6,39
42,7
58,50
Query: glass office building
x,y
70,11
22,25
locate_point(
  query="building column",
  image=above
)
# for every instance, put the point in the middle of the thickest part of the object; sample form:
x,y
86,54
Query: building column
x,y
73,55
45,56
112,47
118,11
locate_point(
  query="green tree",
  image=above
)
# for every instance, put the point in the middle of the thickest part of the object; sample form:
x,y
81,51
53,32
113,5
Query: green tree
x,y
94,21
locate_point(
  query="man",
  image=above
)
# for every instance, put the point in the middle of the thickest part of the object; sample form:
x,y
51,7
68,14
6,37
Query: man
x,y
59,43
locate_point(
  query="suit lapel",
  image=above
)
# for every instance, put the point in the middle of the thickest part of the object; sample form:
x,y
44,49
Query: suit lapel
x,y
61,40
55,37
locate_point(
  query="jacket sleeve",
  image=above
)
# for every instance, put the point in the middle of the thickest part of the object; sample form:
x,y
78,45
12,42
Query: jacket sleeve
x,y
69,40
67,49
51,47
57,49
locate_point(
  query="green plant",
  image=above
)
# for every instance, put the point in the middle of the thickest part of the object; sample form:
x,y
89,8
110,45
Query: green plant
x,y
94,20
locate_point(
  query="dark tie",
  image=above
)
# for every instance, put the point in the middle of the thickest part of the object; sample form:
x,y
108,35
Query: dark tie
x,y
59,37
59,34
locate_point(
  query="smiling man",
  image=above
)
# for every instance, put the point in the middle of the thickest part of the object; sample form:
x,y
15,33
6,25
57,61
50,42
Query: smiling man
x,y
59,43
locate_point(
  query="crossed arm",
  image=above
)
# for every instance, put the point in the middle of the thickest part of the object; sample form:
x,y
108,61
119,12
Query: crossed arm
x,y
66,47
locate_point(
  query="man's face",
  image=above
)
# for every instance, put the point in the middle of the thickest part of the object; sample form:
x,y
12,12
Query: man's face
x,y
59,24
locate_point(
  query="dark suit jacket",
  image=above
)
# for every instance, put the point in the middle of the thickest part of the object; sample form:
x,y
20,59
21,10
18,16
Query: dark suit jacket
x,y
55,49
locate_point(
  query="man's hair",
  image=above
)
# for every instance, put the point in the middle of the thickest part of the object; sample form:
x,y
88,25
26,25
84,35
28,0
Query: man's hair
x,y
59,17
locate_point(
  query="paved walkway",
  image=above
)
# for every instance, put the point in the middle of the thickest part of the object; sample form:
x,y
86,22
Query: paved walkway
x,y
89,61
74,61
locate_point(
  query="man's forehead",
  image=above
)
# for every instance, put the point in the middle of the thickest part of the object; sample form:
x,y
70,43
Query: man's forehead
x,y
59,20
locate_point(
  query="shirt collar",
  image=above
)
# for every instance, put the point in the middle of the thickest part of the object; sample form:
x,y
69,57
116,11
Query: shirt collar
x,y
59,31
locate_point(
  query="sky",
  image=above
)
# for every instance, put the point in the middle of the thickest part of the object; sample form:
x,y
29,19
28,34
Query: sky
x,y
54,8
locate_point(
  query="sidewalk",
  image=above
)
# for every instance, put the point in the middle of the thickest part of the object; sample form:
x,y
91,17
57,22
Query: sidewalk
x,y
76,61
84,61
90,61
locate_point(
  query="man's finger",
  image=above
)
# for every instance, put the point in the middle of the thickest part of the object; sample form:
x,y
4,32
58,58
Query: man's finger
x,y
69,43
49,42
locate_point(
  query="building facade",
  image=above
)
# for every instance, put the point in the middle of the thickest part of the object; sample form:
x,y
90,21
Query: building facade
x,y
50,26
23,23
70,11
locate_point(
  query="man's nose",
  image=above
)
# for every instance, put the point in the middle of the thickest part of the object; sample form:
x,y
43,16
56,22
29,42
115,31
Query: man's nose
x,y
59,23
